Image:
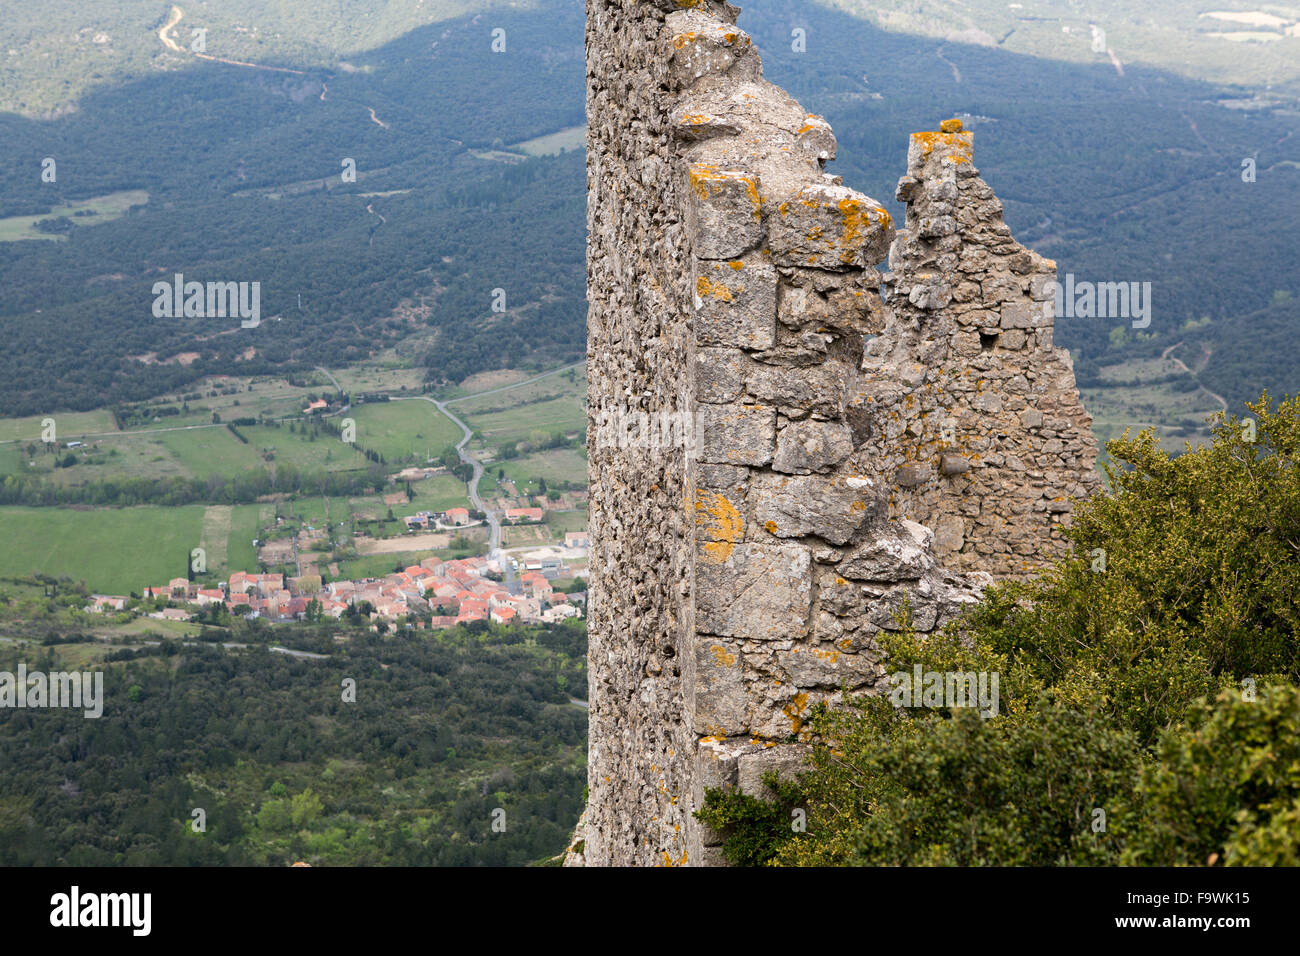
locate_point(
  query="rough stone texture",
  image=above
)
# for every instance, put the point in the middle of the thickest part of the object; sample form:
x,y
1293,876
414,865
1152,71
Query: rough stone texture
x,y
970,408
827,488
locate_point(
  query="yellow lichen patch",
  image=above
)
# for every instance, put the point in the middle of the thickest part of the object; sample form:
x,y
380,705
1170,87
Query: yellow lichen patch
x,y
794,710
858,506
723,656
950,126
701,176
736,265
771,527
858,223
955,144
688,4
705,289
722,525
682,39
847,643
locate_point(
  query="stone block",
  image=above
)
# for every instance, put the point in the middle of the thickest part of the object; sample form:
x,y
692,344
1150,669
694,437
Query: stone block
x,y
890,557
914,474
818,389
806,447
719,693
703,47
787,761
825,666
760,592
832,508
735,434
725,215
829,227
719,375
735,304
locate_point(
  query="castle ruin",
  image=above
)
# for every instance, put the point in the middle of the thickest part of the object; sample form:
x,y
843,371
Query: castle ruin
x,y
787,445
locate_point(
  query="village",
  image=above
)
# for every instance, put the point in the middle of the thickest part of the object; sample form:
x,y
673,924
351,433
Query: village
x,y
432,594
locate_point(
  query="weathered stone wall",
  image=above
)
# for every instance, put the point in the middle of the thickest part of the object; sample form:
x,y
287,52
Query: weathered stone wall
x,y
760,504
976,425
638,332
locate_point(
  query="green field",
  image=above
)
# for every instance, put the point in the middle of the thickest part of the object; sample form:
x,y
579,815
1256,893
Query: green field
x,y
562,521
563,413
404,431
68,426
120,550
245,524
193,453
104,209
116,550
575,137
558,464
378,565
436,494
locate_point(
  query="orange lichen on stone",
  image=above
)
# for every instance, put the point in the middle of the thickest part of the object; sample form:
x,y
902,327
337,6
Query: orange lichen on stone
x,y
723,656
794,710
717,290
950,126
737,265
771,527
955,144
721,523
682,39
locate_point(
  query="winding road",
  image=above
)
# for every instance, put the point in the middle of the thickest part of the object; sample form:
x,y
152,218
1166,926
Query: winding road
x,y
494,520
164,34
1182,365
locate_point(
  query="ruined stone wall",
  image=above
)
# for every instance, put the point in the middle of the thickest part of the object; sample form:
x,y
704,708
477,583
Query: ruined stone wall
x,y
976,425
638,329
761,421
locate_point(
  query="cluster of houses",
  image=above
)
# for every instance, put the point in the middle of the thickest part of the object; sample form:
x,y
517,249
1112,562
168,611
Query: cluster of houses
x,y
451,518
459,518
445,593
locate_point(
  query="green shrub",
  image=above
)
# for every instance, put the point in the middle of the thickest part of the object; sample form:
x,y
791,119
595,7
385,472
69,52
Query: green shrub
x,y
1182,583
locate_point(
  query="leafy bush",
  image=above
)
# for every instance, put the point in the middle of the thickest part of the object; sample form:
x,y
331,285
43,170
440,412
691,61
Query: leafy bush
x,y
1182,584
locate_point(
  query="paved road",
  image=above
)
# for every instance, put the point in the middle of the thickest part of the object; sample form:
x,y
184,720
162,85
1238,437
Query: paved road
x,y
494,519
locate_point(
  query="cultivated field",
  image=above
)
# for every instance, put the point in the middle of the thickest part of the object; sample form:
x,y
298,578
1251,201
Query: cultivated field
x,y
407,431
120,550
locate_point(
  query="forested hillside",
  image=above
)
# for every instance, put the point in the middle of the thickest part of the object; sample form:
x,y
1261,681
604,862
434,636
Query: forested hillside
x,y
442,733
243,171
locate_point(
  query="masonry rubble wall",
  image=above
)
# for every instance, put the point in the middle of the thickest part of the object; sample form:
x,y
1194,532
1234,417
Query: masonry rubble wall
x,y
821,449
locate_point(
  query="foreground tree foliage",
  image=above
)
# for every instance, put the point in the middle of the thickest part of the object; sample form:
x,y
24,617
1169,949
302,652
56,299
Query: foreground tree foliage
x,y
1149,711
